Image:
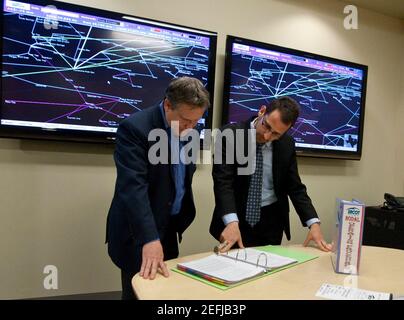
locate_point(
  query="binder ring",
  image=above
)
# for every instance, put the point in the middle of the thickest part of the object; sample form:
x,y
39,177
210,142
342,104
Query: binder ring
x,y
266,259
245,254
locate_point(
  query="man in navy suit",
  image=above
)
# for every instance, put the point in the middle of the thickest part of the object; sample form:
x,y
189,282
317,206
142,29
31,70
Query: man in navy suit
x,y
253,209
153,202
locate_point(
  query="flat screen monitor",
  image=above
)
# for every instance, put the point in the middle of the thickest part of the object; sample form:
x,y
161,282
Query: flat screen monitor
x,y
72,72
331,94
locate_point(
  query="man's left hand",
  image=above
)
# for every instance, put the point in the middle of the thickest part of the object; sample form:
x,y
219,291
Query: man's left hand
x,y
316,235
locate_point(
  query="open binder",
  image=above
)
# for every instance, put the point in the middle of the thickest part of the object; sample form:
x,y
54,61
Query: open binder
x,y
241,265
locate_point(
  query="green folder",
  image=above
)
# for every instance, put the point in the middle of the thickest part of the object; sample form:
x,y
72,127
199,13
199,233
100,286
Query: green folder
x,y
301,257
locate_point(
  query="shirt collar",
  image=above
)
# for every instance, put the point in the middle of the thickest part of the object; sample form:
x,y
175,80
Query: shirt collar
x,y
167,127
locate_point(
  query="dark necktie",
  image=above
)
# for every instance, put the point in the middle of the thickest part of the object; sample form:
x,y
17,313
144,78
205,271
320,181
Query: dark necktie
x,y
253,210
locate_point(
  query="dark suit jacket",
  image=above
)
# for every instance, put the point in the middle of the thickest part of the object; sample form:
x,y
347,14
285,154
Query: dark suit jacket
x,y
231,189
144,193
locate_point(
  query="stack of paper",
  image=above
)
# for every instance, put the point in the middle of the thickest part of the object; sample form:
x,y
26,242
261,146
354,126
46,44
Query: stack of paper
x,y
235,266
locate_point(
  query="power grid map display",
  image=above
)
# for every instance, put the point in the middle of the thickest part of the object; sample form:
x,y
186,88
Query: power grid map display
x,y
75,71
329,94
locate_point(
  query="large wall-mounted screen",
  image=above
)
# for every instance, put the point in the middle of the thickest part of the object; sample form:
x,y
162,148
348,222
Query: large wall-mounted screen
x,y
72,72
331,94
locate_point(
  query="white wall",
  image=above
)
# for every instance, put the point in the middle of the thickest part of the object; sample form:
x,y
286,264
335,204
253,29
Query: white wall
x,y
55,196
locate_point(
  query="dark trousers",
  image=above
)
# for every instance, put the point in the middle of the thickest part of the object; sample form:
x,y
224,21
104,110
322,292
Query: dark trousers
x,y
269,230
127,290
170,249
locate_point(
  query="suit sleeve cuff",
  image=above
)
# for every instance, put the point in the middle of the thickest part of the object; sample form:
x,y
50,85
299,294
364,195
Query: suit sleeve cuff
x,y
154,239
312,221
230,217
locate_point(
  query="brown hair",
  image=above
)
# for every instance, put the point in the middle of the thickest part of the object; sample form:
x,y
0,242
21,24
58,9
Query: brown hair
x,y
288,108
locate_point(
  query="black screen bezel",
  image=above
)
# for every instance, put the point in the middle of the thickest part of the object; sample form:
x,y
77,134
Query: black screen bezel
x,y
20,132
300,151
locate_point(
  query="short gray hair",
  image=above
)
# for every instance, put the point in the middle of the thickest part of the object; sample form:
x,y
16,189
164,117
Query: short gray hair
x,y
187,90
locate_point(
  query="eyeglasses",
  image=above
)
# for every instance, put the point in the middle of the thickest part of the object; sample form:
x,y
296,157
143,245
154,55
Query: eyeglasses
x,y
269,129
